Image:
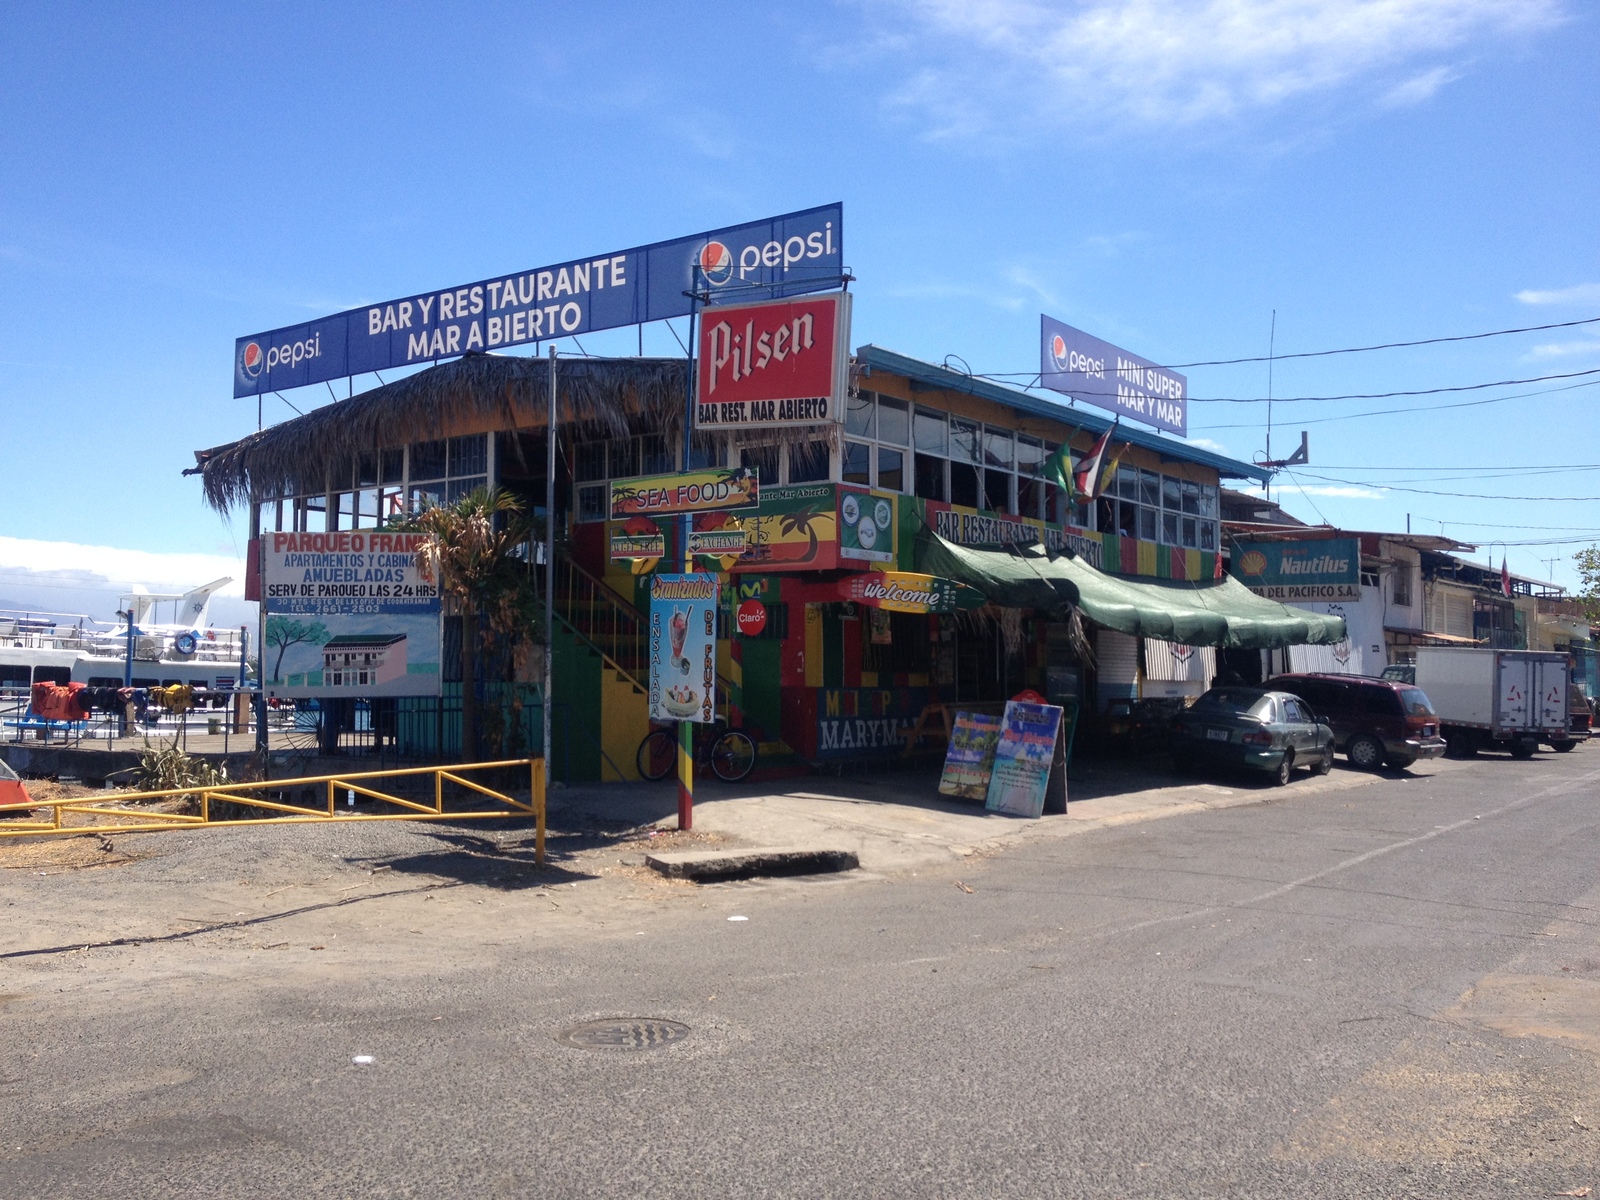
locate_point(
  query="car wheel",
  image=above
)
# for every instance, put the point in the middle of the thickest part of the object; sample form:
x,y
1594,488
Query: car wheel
x,y
1365,752
1563,747
1324,764
1522,749
1285,768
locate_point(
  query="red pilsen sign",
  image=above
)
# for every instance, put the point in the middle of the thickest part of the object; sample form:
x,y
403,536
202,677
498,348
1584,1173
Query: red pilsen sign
x,y
777,362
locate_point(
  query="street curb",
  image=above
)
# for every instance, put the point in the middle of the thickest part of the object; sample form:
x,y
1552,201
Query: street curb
x,y
706,865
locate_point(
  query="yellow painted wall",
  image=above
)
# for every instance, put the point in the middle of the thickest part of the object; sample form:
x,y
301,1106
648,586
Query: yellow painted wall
x,y
624,722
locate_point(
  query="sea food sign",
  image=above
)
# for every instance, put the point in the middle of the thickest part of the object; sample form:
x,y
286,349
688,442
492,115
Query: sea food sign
x,y
1328,569
1096,372
772,363
715,490
791,254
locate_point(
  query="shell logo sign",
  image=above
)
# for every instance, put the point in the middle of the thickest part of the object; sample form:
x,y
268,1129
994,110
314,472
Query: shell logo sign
x,y
1253,563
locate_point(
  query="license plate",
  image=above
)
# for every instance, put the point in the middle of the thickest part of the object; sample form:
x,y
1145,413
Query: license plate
x,y
1217,735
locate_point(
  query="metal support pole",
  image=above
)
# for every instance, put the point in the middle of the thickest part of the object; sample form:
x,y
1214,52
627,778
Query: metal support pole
x,y
549,565
686,728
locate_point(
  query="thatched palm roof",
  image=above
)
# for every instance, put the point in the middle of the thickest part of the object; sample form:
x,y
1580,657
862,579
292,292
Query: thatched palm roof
x,y
599,396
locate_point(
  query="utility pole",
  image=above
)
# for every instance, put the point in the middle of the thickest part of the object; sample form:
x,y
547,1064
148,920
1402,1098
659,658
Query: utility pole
x,y
549,565
1272,347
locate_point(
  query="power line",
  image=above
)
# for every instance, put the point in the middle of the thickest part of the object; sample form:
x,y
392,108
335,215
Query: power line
x,y
1230,362
1473,475
1416,408
1459,495
1433,391
1533,470
1595,530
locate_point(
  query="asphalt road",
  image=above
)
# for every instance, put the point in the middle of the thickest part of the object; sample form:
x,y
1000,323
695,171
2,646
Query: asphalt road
x,y
1386,991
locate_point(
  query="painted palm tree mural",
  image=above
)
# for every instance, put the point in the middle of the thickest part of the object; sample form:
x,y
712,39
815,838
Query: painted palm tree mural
x,y
797,524
803,523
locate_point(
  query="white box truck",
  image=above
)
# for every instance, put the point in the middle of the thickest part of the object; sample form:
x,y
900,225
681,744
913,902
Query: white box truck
x,y
1500,699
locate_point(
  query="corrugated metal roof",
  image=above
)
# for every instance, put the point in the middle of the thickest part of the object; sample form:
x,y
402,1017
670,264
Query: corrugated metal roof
x,y
877,358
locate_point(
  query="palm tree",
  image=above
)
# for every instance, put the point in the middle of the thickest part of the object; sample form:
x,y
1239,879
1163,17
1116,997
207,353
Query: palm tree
x,y
470,548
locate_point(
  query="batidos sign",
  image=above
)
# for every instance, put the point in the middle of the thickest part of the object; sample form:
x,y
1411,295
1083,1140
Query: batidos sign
x,y
773,362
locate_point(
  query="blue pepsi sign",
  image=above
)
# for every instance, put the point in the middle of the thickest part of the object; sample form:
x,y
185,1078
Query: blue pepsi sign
x,y
1096,372
787,255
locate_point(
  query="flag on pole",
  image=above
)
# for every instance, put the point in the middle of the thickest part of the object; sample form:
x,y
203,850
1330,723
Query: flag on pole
x,y
1089,480
1505,576
1058,470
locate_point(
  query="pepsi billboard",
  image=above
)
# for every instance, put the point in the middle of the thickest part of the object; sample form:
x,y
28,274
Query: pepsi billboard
x,y
786,255
1082,366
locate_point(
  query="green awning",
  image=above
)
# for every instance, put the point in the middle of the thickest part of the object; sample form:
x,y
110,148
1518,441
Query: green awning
x,y
1213,612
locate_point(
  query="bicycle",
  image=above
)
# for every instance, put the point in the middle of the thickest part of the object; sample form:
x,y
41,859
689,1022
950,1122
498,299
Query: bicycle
x,y
730,753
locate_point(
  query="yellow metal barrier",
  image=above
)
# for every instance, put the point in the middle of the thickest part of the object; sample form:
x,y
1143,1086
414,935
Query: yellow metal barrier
x,y
113,816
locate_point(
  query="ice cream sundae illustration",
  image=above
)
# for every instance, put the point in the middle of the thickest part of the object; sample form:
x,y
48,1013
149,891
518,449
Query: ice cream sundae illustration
x,y
679,632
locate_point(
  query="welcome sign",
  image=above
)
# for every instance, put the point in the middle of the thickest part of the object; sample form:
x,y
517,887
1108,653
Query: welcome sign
x,y
1326,569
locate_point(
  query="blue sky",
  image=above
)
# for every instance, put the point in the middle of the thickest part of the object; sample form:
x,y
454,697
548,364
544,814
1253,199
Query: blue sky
x,y
1161,173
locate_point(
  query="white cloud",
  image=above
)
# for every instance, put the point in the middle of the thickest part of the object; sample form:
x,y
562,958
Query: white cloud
x,y
1208,444
1583,293
120,568
1344,493
1418,88
1565,349
68,577
1005,64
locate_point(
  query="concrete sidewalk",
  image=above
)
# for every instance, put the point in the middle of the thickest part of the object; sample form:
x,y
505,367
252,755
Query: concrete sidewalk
x,y
896,821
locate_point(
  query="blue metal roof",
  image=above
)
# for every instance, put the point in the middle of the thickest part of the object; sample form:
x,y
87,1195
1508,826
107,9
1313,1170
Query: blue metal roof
x,y
879,359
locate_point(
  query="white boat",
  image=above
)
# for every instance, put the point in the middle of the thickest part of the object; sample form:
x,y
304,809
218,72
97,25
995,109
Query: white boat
x,y
69,648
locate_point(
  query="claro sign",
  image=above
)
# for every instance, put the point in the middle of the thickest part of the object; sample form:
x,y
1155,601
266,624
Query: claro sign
x,y
775,362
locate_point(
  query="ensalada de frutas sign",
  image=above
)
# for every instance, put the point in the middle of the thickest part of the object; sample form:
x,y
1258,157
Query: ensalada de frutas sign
x,y
791,254
773,362
683,648
1327,569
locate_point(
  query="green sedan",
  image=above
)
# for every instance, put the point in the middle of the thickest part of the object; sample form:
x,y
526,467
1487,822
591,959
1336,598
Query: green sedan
x,y
1252,727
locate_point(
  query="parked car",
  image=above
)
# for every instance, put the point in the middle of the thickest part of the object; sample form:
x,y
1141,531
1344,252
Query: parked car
x,y
1252,727
1374,721
1580,720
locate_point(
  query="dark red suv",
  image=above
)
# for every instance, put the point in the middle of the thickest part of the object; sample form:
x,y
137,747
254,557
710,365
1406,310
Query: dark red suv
x,y
1374,721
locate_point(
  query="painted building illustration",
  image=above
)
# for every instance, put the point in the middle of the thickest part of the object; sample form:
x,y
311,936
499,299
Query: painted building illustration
x,y
363,659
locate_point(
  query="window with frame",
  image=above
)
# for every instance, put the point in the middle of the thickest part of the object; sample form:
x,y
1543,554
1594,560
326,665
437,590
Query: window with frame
x,y
1402,577
444,470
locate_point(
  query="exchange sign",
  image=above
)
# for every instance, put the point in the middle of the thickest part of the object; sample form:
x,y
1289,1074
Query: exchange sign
x,y
787,255
1096,372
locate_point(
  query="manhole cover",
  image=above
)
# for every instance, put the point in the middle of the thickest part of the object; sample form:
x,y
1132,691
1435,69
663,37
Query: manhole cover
x,y
623,1033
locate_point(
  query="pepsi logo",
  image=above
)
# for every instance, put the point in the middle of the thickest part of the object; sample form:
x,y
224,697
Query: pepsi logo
x,y
252,359
716,263
1058,352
